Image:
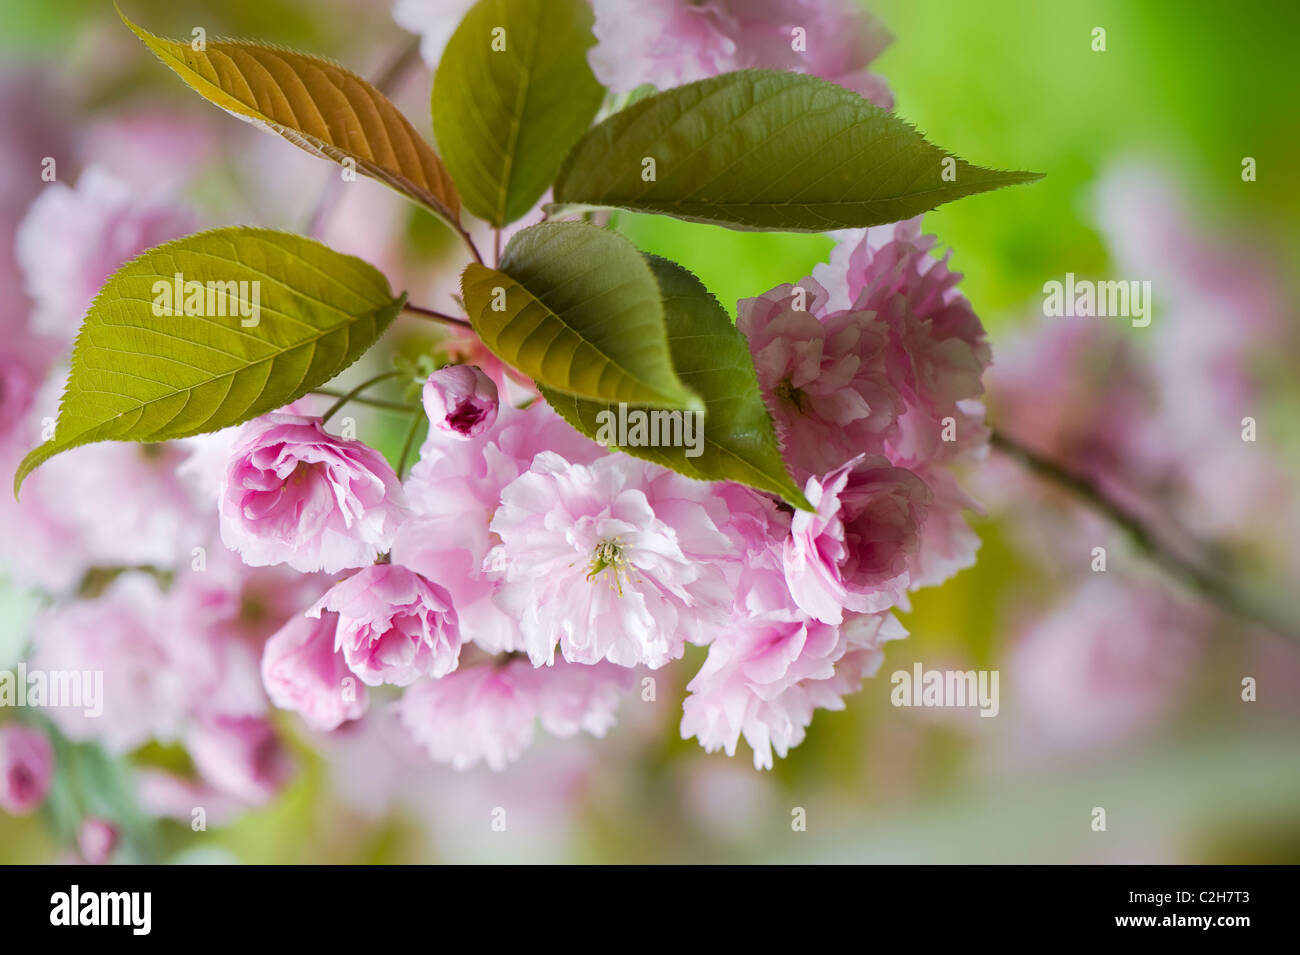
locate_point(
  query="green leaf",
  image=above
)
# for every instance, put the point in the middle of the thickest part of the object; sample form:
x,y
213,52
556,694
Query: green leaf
x,y
758,149
505,118
141,376
316,105
577,309
712,358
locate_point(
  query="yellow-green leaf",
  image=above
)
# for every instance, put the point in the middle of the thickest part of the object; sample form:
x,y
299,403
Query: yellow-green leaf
x,y
269,317
577,309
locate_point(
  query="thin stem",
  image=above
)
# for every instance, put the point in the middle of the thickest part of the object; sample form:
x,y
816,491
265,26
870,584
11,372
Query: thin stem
x,y
1225,593
434,316
333,409
410,442
368,402
496,248
469,243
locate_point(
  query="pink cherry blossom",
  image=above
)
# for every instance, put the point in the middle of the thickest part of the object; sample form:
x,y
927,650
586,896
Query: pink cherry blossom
x,y
938,351
597,561
394,625
460,401
26,769
453,491
72,239
97,839
858,550
487,713
240,756
294,494
767,675
823,375
162,667
303,671
671,42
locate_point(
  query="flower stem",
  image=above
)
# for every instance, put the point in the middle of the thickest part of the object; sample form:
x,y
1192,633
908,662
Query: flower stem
x,y
410,442
433,316
1222,591
349,396
368,402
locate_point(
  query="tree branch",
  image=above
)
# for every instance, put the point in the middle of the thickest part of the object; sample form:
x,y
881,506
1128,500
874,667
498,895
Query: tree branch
x,y
1224,592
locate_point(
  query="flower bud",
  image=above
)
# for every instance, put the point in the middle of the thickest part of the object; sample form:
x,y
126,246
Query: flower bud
x,y
460,400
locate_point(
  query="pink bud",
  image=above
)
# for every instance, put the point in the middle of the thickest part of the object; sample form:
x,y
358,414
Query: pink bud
x,y
97,840
460,400
26,765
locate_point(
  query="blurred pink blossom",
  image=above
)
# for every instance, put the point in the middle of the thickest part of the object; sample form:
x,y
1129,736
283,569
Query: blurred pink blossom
x,y
26,769
488,712
670,42
303,671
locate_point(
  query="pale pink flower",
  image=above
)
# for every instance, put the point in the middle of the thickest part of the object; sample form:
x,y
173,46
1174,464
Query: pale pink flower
x,y
26,769
394,625
162,669
460,401
671,42
434,20
859,549
303,671
823,375
72,240
597,561
767,675
240,756
97,839
1109,661
487,713
453,491
293,493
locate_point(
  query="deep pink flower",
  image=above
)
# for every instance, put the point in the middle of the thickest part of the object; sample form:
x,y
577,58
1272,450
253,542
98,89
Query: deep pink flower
x,y
26,769
294,494
858,550
394,625
304,671
823,375
461,401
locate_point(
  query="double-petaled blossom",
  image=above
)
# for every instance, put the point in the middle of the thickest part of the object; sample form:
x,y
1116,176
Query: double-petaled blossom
x,y
617,560
394,626
294,494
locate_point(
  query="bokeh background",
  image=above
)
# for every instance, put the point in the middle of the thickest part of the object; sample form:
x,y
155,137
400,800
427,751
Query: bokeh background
x,y
1120,689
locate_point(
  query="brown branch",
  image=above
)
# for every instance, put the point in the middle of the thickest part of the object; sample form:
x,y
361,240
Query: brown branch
x,y
1224,592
